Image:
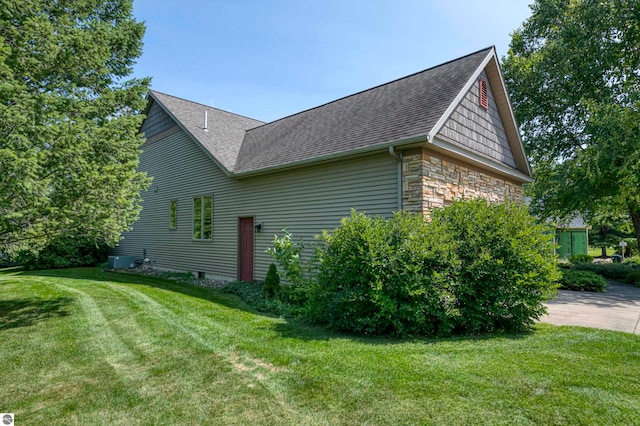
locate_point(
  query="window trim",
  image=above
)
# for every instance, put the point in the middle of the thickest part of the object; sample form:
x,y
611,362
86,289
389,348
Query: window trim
x,y
202,217
173,215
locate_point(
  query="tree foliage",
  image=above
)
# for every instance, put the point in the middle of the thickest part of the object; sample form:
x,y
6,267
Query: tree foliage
x,y
573,72
69,120
608,229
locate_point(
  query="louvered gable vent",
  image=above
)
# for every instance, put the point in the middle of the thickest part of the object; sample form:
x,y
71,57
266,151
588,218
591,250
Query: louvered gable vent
x,y
484,98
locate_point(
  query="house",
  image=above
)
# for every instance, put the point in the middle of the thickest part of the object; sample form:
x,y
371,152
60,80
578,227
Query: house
x,y
224,184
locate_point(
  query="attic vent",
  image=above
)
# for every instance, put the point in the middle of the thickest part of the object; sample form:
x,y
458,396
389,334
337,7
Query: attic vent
x,y
484,98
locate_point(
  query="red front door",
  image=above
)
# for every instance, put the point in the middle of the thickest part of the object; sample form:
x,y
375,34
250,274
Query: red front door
x,y
246,249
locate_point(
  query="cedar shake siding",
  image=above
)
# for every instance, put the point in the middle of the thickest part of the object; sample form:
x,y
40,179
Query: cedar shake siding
x,y
157,121
471,127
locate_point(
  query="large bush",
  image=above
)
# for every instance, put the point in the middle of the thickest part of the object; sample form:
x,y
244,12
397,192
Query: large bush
x,y
63,252
507,264
577,280
477,267
385,276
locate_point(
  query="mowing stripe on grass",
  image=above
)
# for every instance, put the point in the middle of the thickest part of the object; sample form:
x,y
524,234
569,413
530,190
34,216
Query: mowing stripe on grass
x,y
108,344
206,331
86,347
202,328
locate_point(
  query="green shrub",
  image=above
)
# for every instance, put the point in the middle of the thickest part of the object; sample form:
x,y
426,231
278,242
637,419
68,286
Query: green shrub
x,y
297,270
288,255
252,294
6,260
564,263
477,267
384,276
633,278
581,258
614,271
633,261
271,285
63,252
576,280
507,265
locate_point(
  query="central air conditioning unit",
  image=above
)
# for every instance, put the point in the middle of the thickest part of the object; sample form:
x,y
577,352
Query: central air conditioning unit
x,y
121,262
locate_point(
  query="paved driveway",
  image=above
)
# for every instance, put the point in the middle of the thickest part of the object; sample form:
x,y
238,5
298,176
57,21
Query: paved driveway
x,y
617,309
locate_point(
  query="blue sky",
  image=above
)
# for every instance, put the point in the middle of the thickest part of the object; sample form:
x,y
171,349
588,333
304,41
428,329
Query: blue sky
x,y
269,59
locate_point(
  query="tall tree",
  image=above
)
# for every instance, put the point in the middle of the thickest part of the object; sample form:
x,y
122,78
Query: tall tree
x,y
69,120
608,229
573,73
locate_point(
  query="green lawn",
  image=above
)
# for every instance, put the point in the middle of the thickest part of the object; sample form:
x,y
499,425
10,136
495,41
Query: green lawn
x,y
597,251
83,346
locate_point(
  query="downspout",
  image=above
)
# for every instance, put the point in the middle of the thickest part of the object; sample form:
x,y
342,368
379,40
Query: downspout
x,y
399,172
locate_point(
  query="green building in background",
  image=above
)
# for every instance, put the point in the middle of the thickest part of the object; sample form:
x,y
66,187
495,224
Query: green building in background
x,y
573,238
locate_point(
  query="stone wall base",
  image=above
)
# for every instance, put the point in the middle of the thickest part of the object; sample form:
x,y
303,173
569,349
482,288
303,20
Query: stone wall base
x,y
431,180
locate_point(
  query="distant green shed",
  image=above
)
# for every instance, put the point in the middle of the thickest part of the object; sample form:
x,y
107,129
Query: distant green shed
x,y
572,239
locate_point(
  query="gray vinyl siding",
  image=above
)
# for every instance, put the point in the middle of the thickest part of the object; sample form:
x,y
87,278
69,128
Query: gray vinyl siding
x,y
157,121
304,201
481,131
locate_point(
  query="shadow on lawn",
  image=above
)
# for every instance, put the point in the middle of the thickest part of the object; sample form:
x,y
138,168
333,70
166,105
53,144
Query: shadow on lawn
x,y
289,328
16,313
304,331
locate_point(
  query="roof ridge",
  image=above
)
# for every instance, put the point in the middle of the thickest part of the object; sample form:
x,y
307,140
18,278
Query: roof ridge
x,y
207,106
372,88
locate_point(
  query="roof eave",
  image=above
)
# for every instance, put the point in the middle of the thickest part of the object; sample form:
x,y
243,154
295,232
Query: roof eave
x,y
478,160
407,142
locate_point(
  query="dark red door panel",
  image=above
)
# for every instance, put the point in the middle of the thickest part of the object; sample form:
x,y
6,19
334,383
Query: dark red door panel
x,y
246,249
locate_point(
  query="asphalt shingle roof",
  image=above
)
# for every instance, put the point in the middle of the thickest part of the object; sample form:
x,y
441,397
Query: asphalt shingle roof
x,y
225,129
403,108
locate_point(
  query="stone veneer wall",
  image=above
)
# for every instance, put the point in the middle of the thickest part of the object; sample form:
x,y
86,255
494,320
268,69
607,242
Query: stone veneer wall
x,y
430,180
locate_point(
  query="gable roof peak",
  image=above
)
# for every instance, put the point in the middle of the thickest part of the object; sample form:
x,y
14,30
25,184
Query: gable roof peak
x,y
225,132
404,108
487,49
194,103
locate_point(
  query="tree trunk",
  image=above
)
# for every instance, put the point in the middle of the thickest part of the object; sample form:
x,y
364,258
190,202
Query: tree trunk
x,y
604,251
635,218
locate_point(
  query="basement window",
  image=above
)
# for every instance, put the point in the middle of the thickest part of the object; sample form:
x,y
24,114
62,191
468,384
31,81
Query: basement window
x,y
203,217
484,97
